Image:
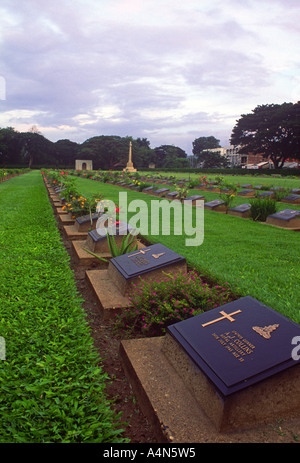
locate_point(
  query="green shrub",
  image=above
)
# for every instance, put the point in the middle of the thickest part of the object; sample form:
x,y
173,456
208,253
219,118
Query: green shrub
x,y
155,305
261,208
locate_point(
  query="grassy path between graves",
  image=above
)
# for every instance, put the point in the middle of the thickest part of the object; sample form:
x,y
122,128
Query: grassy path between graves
x,y
254,258
52,384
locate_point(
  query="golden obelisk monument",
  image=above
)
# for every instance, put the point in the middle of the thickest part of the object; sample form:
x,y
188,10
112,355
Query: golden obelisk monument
x,y
129,167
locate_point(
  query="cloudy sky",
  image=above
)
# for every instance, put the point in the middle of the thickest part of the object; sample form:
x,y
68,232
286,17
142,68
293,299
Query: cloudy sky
x,y
167,70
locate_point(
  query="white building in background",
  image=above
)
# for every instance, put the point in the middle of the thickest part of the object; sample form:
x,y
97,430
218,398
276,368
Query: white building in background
x,y
237,159
232,154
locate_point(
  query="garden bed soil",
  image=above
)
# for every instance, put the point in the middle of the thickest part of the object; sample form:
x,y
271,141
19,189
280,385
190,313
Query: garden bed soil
x,y
137,427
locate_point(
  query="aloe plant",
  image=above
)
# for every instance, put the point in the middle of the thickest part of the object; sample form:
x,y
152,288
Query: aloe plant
x,y
127,245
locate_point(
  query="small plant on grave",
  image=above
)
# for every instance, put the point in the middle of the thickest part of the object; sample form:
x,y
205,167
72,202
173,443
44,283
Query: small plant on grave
x,y
261,208
127,245
78,206
203,180
182,192
155,305
227,196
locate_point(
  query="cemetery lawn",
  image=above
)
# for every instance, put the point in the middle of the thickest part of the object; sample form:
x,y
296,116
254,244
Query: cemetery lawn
x,y
254,258
52,384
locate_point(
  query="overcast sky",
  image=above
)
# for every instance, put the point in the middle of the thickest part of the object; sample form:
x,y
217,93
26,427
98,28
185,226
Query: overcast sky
x,y
167,70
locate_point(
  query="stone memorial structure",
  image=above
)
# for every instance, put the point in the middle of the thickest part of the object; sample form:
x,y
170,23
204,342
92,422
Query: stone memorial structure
x,y
129,167
83,164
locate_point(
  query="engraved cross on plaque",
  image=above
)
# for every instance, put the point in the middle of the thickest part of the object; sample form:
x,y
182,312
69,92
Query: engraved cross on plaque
x,y
227,316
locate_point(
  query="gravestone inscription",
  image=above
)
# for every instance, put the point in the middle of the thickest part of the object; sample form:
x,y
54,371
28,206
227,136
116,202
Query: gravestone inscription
x,y
149,263
239,362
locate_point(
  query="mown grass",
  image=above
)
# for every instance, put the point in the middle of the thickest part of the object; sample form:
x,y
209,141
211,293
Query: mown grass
x,y
254,258
256,179
52,386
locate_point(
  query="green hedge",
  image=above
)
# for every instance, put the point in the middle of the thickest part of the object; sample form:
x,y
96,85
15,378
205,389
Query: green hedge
x,y
52,388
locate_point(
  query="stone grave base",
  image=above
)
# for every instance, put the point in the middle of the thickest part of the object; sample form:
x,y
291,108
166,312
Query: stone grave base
x,y
60,211
220,208
71,233
85,258
167,402
159,274
247,194
57,203
292,224
245,214
66,219
110,300
82,257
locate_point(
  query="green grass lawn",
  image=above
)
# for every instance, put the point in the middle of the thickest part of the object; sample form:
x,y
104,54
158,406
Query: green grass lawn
x,y
254,258
255,179
52,388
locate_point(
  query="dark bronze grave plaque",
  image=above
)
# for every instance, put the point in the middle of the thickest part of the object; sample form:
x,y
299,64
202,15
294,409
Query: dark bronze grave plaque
x,y
149,263
145,260
291,198
285,214
216,203
161,191
194,198
86,218
241,208
97,240
265,194
238,344
246,192
172,194
83,223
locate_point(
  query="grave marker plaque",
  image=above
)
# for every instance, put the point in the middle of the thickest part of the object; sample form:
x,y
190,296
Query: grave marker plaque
x,y
248,193
194,198
287,218
265,194
242,210
97,242
161,191
148,189
83,223
217,205
294,199
237,360
172,195
149,263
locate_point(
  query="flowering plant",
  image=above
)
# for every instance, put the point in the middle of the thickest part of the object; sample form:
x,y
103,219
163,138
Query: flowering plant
x,y
155,305
79,205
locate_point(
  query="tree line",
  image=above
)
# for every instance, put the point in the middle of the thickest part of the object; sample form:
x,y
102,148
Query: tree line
x,y
106,151
271,130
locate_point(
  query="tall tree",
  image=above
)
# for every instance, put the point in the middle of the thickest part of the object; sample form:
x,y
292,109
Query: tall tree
x,y
272,130
169,156
9,147
204,143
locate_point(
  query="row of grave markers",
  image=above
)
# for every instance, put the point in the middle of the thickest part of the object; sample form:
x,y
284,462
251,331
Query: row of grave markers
x,y
287,218
222,371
